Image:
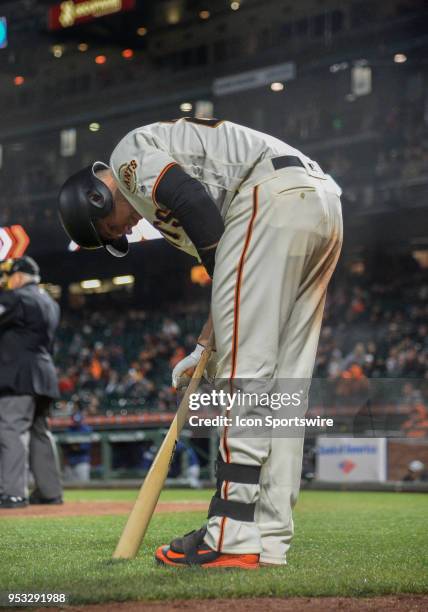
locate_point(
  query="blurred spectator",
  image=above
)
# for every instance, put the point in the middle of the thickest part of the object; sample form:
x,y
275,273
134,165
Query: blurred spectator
x,y
78,455
149,454
416,426
415,472
191,460
170,328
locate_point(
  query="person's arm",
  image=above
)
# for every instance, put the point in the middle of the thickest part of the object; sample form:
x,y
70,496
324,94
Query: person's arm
x,y
192,206
144,170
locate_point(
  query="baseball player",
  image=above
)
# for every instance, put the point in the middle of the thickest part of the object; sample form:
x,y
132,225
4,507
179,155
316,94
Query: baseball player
x,y
266,222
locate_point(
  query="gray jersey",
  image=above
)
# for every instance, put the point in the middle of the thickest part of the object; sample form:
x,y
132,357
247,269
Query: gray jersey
x,y
220,154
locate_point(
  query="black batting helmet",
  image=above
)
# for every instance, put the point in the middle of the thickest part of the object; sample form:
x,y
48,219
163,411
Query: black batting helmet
x,y
83,199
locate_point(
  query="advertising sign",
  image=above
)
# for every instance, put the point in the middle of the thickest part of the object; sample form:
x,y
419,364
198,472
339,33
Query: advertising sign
x,y
351,459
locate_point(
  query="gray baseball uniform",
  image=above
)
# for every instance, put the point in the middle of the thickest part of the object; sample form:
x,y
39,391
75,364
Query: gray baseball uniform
x,y
282,238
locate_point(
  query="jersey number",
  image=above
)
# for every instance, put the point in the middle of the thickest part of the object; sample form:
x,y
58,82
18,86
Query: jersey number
x,y
165,217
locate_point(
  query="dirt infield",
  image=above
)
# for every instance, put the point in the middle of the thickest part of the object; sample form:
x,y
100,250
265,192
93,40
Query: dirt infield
x,y
97,508
405,603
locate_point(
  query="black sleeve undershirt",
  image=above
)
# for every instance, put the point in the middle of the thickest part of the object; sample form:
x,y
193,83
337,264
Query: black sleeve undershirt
x,y
191,205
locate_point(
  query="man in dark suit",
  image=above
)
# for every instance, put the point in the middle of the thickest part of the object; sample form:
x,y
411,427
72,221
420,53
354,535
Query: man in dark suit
x,y
29,318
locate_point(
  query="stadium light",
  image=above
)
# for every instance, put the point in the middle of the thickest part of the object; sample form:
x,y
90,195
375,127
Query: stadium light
x,y
173,14
3,32
57,50
400,58
93,283
277,86
123,280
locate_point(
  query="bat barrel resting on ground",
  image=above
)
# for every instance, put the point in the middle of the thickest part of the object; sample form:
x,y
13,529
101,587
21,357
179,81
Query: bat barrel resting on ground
x,y
141,514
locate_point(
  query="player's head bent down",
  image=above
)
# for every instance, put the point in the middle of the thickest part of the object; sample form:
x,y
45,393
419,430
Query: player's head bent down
x,y
94,212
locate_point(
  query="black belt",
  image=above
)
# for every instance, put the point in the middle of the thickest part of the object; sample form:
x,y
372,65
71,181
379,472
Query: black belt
x,y
285,161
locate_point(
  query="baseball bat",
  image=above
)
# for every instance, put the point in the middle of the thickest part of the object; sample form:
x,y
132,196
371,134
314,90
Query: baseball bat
x,y
141,514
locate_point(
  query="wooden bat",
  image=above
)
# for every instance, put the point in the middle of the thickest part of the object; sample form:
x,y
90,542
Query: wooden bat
x,y
141,514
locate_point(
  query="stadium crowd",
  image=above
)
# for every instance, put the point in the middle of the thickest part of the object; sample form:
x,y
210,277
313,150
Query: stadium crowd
x,y
372,328
123,364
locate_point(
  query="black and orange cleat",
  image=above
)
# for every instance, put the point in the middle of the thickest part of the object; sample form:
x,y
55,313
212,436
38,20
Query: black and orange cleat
x,y
192,550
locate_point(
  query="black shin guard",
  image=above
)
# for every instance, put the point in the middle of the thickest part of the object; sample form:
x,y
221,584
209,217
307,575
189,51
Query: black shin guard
x,y
239,473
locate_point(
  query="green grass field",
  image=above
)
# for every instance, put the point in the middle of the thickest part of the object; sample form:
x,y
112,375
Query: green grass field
x,y
346,544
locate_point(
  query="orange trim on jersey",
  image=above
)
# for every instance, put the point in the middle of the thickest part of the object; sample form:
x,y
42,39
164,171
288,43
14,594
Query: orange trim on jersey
x,y
158,180
235,339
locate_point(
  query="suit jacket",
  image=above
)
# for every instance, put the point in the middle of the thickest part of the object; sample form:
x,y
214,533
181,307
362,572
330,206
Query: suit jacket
x,y
29,318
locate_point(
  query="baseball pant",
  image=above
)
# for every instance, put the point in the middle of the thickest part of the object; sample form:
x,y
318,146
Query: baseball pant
x,y
193,473
81,472
282,239
44,461
23,432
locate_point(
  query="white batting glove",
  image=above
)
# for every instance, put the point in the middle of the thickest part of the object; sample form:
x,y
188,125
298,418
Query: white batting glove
x,y
182,373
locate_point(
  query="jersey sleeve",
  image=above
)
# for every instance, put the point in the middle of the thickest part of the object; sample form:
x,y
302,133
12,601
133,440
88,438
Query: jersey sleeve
x,y
183,210
191,205
139,165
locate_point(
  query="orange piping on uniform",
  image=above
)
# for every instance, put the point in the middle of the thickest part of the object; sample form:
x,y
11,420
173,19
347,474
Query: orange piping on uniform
x,y
155,186
235,339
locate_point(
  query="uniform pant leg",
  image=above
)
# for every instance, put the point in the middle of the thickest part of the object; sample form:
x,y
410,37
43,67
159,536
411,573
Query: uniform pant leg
x,y
281,473
263,262
82,472
235,310
248,305
16,415
68,474
43,456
